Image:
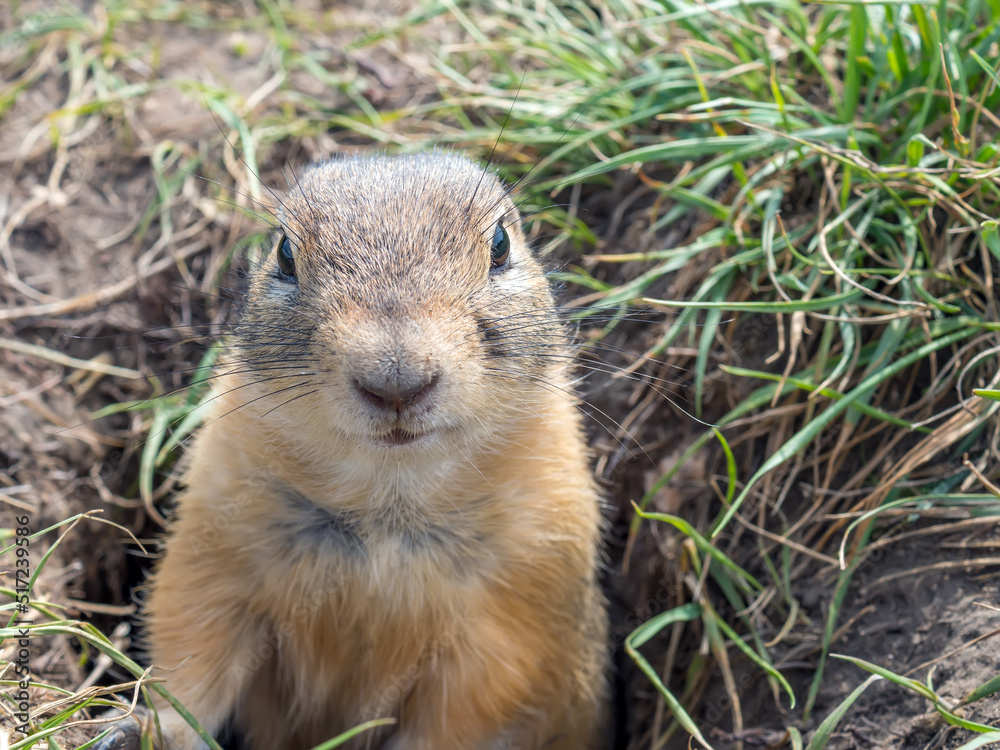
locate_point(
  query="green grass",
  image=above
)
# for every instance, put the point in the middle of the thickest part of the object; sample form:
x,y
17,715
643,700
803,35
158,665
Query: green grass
x,y
839,165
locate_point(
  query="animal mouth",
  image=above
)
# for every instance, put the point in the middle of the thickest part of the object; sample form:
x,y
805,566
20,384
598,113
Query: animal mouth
x,y
400,436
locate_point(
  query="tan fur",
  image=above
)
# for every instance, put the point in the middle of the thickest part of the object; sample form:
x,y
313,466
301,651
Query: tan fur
x,y
317,576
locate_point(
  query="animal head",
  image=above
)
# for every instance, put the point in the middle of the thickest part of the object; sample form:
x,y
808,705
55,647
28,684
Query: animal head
x,y
401,308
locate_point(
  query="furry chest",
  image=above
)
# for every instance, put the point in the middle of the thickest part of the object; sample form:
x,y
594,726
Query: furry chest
x,y
346,560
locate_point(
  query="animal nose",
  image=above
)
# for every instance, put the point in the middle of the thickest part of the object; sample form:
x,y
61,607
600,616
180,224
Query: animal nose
x,y
395,396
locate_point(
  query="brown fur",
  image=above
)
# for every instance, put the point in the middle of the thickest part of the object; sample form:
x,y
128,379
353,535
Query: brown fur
x,y
317,576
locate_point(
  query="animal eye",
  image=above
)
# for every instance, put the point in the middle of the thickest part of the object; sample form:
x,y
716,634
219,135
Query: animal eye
x,y
499,247
286,261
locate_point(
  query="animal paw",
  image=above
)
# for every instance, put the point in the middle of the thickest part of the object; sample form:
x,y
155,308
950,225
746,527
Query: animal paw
x,y
124,735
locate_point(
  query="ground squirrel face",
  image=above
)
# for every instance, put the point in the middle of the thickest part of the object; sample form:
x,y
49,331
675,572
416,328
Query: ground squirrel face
x,y
401,305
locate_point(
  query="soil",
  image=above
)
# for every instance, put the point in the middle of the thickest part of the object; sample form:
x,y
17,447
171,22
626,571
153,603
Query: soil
x,y
78,235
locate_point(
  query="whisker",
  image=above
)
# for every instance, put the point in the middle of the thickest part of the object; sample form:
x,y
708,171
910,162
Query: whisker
x,y
286,403
258,398
598,366
571,395
227,373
